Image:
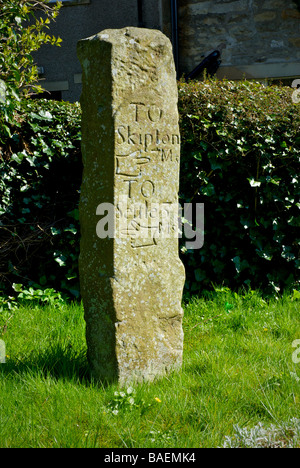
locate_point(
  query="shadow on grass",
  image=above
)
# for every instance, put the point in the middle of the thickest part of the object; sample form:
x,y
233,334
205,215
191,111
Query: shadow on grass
x,y
57,362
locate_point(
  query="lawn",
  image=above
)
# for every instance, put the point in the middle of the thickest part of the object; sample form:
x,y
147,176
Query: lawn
x,y
239,376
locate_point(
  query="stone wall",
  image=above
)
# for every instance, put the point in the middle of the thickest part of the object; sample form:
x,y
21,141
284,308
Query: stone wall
x,y
258,38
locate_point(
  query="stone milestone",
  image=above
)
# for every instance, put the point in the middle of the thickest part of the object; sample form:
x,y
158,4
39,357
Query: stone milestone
x,y
130,273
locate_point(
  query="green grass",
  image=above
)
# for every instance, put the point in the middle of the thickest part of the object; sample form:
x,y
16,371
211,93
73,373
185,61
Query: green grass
x,y
237,371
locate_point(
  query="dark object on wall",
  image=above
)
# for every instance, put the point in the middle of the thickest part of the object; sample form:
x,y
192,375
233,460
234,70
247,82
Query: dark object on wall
x,y
49,95
211,64
174,22
297,3
140,14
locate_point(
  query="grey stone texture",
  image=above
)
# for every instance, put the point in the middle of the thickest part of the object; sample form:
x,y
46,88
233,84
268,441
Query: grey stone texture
x,y
258,38
132,281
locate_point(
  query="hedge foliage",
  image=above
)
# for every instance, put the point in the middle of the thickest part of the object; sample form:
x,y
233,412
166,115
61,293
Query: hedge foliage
x,y
40,177
23,26
240,157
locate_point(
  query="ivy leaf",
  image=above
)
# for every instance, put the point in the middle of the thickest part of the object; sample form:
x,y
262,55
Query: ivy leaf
x,y
208,190
74,214
61,260
254,183
46,115
17,287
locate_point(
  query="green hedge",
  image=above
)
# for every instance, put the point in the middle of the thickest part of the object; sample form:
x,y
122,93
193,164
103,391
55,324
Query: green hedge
x,y
40,176
240,157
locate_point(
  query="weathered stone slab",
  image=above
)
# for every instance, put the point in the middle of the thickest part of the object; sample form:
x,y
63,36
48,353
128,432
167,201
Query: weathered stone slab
x,y
131,276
